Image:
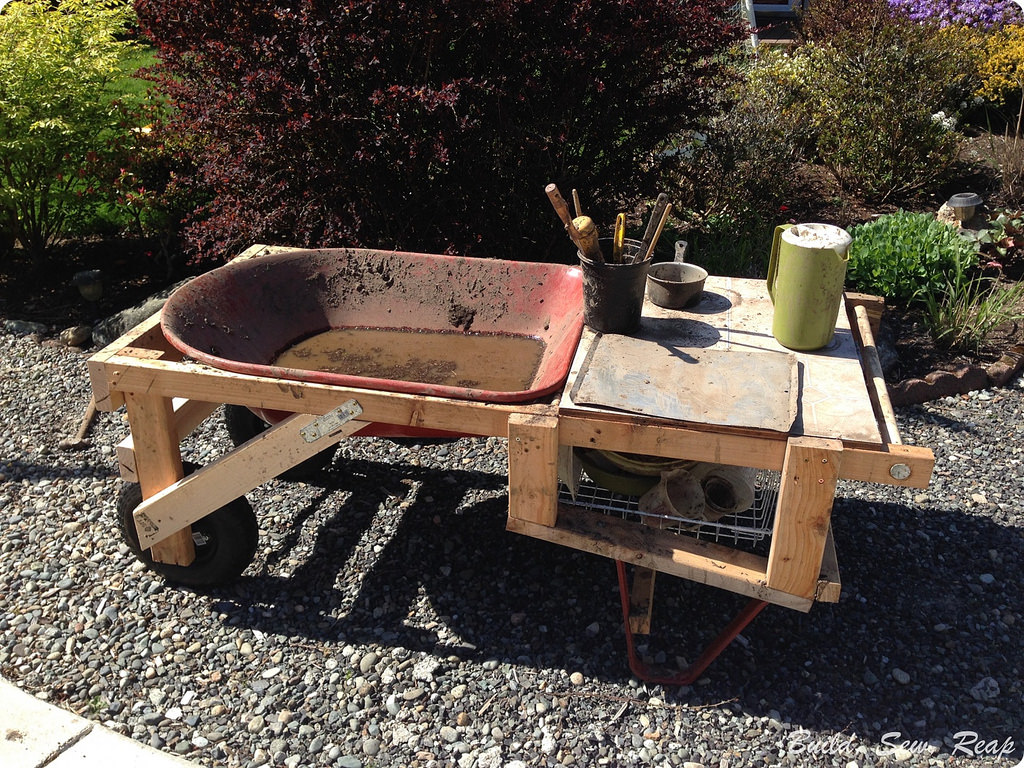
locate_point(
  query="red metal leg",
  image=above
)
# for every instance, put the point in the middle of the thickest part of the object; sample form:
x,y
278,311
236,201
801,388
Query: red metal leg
x,y
685,676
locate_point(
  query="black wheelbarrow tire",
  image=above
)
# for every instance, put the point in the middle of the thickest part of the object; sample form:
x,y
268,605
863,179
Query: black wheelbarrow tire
x,y
243,425
226,541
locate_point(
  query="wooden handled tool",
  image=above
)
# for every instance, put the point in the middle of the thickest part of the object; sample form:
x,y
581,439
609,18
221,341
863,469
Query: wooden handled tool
x,y
646,254
588,244
562,209
654,227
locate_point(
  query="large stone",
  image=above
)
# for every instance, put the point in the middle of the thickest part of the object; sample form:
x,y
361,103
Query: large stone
x,y
1007,366
75,336
116,325
25,327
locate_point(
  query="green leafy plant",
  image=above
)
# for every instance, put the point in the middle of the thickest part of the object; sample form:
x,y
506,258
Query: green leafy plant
x,y
57,61
903,255
1001,243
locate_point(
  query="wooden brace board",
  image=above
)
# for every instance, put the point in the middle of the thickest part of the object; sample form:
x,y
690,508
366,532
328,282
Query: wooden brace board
x,y
232,475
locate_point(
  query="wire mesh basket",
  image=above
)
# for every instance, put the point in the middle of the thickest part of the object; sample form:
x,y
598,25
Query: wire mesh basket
x,y
748,527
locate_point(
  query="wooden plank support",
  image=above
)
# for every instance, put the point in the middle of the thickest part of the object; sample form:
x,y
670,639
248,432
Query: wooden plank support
x,y
144,334
873,306
903,465
626,433
200,382
533,468
803,515
641,596
158,465
188,414
664,551
829,585
641,600
878,392
232,475
906,465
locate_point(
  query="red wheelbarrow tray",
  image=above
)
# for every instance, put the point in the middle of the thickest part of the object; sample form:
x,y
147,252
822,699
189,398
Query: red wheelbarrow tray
x,y
241,316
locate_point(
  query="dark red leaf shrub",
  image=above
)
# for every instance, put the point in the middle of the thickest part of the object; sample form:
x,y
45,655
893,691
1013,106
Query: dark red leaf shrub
x,y
428,126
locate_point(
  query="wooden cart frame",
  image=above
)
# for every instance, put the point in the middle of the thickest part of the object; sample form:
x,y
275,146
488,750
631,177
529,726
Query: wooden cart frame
x,y
166,397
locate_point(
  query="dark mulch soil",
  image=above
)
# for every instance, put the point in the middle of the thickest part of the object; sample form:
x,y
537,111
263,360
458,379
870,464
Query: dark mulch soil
x,y
45,292
917,355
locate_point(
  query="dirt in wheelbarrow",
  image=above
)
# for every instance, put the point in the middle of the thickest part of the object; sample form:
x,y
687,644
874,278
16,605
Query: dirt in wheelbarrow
x,y
431,357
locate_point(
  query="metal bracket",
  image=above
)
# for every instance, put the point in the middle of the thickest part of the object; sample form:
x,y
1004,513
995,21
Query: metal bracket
x,y
330,422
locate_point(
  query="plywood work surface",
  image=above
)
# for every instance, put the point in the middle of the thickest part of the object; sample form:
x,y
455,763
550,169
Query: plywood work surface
x,y
732,388
734,318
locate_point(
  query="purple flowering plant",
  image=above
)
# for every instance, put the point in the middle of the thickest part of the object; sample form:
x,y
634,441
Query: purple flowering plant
x,y
981,14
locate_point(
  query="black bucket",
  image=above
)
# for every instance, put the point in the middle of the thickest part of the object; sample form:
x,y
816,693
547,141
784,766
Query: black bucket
x,y
613,294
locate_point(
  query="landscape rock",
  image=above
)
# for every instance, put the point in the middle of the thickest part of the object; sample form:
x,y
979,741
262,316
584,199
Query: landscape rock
x,y
75,336
116,325
1007,366
25,328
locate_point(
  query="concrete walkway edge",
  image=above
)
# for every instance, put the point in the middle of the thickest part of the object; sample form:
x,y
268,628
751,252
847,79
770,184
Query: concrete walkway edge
x,y
34,734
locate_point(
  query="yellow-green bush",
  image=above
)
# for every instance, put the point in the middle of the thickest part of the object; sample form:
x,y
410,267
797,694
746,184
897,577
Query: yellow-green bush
x,y
884,95
58,62
1002,65
782,78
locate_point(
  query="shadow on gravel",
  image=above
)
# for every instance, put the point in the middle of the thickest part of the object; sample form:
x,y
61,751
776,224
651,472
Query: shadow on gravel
x,y
926,640
923,642
489,593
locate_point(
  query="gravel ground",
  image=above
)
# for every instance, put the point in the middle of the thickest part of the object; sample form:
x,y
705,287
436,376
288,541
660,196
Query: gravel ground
x,y
389,619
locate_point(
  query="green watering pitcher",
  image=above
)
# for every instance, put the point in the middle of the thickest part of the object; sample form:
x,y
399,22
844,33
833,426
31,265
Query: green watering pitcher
x,y
805,282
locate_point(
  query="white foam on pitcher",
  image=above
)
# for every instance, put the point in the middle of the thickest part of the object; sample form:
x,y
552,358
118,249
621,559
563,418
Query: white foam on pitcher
x,y
818,236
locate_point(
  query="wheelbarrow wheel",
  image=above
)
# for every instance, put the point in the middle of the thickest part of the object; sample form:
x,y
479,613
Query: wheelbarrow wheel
x,y
225,541
243,425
